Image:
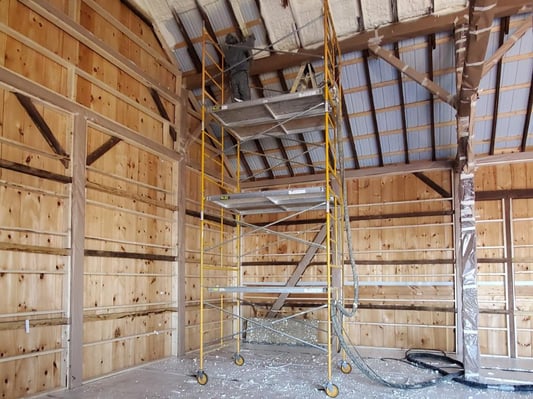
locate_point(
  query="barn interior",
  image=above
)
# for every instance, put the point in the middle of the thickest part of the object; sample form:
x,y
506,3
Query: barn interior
x,y
360,226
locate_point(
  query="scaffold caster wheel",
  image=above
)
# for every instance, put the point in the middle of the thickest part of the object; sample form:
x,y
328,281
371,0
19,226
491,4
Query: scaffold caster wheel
x,y
238,359
201,377
346,367
332,390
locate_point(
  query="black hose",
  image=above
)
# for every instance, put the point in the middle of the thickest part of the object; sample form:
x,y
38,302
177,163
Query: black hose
x,y
419,358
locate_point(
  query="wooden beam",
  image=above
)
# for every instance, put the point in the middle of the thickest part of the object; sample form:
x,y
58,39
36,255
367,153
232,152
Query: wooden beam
x,y
504,29
372,107
163,112
491,195
28,170
431,46
480,19
349,132
100,151
433,185
129,255
513,305
195,58
402,105
180,267
387,170
527,122
34,249
418,77
299,271
505,47
76,283
43,127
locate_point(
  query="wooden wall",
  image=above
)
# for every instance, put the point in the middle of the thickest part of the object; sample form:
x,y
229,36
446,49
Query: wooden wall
x,y
218,326
403,236
402,232
89,127
504,215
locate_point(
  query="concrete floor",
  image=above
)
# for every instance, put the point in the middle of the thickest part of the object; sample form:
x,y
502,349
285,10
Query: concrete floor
x,y
277,371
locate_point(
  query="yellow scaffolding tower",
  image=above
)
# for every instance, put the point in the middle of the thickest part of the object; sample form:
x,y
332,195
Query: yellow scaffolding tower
x,y
224,206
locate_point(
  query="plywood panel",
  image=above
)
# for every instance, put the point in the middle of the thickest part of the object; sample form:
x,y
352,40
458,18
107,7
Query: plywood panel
x,y
30,376
35,66
120,353
118,38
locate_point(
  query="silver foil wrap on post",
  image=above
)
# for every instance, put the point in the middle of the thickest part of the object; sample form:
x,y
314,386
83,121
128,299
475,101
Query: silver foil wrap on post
x,y
470,306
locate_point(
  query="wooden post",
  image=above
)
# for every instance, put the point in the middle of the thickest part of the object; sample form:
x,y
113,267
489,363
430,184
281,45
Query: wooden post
x,y
481,15
179,279
78,198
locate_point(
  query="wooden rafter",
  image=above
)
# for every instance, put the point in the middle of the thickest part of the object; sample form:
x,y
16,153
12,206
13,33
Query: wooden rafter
x,y
399,76
372,107
431,46
301,138
402,106
244,161
195,58
349,131
527,122
504,29
264,159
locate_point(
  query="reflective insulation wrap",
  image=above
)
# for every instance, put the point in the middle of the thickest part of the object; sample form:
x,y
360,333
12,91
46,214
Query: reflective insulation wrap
x,y
470,306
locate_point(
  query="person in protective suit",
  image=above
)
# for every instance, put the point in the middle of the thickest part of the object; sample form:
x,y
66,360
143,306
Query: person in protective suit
x,y
238,56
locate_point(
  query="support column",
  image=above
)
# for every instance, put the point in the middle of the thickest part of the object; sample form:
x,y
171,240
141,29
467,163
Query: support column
x,y
179,277
182,143
480,18
468,273
78,200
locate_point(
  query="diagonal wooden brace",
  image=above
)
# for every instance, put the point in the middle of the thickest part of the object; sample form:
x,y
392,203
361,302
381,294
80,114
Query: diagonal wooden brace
x,y
418,77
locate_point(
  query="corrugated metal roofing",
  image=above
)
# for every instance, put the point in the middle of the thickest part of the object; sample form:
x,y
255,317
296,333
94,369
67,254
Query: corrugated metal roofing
x,y
376,105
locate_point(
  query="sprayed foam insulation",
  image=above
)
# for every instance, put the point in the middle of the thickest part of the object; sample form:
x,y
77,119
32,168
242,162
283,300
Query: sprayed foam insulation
x,y
306,330
309,19
161,14
413,8
376,13
279,24
181,5
449,5
298,24
345,17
